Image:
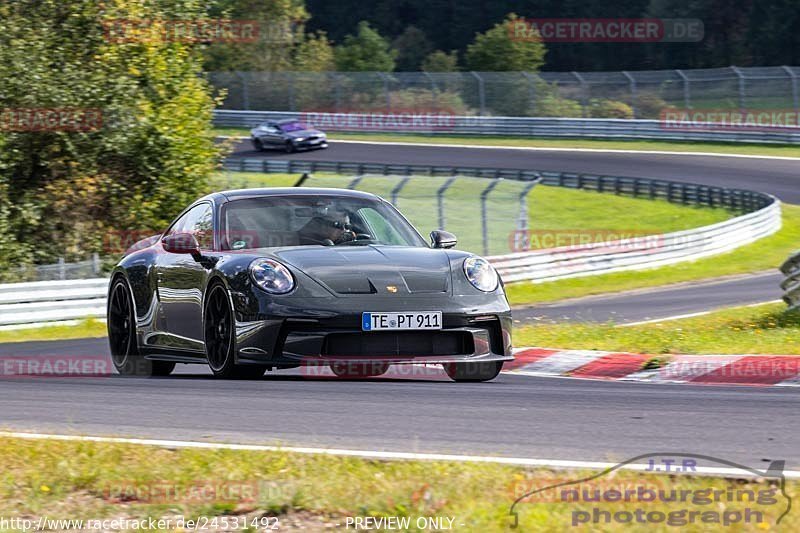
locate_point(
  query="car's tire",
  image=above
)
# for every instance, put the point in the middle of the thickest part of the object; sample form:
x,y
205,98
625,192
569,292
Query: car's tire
x,y
258,145
359,370
473,372
121,321
220,341
289,147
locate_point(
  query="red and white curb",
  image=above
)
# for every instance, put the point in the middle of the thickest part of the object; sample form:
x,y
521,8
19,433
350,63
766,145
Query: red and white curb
x,y
755,370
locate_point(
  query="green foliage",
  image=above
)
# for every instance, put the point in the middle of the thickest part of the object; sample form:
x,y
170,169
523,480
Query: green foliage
x,y
63,192
365,51
280,33
609,109
314,53
650,105
439,61
497,50
412,46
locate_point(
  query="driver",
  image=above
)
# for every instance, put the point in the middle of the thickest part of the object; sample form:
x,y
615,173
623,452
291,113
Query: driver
x,y
327,230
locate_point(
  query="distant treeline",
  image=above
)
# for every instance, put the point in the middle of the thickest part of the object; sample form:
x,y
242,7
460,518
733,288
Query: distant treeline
x,y
737,32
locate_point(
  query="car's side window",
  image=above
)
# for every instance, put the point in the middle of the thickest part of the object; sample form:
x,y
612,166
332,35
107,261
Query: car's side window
x,y
199,221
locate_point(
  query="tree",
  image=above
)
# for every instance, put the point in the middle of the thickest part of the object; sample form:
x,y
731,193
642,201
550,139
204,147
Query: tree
x,y
313,54
439,61
498,50
64,192
365,51
280,29
411,46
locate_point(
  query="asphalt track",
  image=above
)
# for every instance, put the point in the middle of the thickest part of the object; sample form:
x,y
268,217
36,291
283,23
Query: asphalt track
x,y
514,416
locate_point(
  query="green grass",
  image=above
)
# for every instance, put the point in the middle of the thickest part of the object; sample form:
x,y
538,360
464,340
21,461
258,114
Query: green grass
x,y
764,329
553,212
765,254
73,480
86,328
490,140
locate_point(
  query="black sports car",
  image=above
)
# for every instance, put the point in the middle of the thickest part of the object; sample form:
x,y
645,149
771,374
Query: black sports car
x,y
289,135
259,279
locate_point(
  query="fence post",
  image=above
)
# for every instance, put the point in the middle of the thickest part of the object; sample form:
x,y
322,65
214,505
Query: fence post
x,y
354,183
687,91
388,96
632,82
739,74
791,74
62,269
531,89
584,92
398,188
481,93
484,222
337,91
245,90
95,263
522,221
290,78
440,199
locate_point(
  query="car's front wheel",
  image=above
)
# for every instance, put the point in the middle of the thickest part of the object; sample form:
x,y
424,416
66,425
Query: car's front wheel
x,y
258,145
473,372
220,338
289,147
121,321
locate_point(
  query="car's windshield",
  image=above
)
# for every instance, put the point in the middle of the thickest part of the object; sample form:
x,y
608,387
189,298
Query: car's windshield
x,y
293,126
314,220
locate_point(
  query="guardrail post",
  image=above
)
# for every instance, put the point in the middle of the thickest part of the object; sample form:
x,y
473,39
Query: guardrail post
x,y
62,268
584,92
440,199
793,77
95,263
687,91
484,221
634,98
397,188
739,74
481,93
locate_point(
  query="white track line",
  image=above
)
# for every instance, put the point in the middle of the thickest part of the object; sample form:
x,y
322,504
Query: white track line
x,y
692,315
554,149
369,454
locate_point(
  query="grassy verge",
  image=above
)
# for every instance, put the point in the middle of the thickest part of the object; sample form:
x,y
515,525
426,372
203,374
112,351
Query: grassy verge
x,y
490,140
767,329
70,480
765,254
82,330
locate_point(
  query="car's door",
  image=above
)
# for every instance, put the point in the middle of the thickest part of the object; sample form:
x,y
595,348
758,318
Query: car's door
x,y
273,136
181,279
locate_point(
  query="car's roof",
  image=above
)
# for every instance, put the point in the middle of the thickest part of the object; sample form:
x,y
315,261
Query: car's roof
x,y
287,120
239,194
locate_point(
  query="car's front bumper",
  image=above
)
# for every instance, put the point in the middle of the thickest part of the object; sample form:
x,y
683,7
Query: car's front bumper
x,y
293,341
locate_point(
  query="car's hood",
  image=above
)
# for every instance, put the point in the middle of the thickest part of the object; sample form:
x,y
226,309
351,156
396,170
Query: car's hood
x,y
372,269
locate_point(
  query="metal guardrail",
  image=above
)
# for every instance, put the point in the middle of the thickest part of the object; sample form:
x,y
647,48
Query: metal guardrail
x,y
593,128
791,285
45,301
23,303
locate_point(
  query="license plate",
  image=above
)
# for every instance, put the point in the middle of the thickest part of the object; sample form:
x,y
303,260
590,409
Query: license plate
x,y
395,321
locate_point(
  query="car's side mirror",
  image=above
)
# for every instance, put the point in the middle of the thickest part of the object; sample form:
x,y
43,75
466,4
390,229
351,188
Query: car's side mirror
x,y
443,239
182,243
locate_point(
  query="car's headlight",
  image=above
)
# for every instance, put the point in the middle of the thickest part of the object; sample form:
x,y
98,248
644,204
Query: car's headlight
x,y
481,273
271,276
299,139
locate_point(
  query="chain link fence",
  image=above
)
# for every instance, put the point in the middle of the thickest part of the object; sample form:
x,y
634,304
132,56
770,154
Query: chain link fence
x,y
61,270
624,94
